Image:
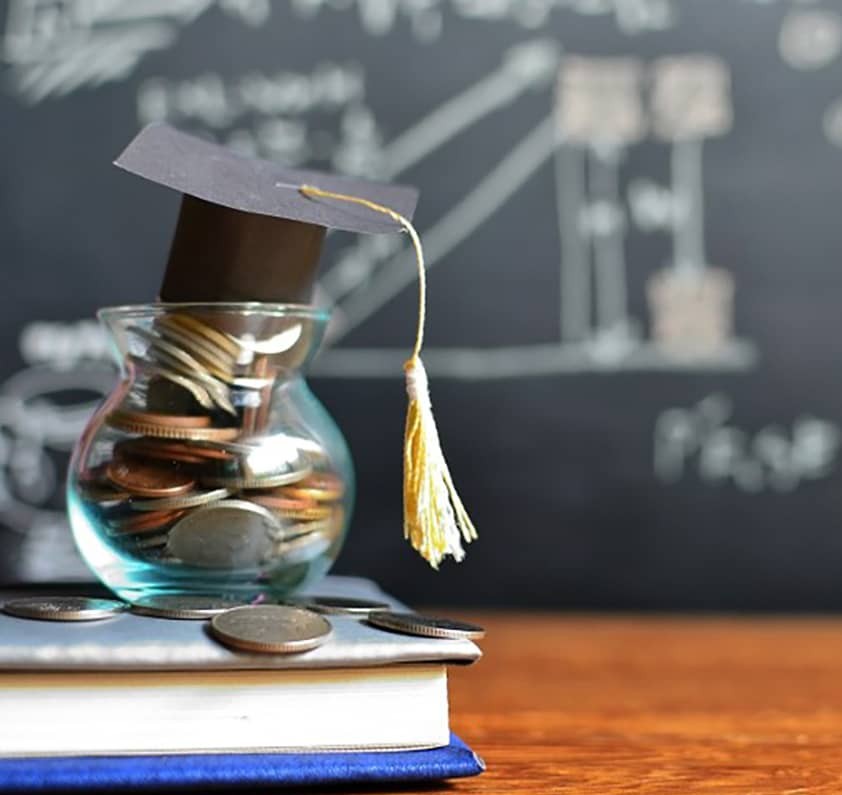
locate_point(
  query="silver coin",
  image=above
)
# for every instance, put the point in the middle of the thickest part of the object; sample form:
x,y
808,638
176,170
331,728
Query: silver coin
x,y
291,532
274,629
197,346
183,363
303,548
426,626
336,605
230,534
177,503
199,393
64,608
237,482
183,606
273,455
151,542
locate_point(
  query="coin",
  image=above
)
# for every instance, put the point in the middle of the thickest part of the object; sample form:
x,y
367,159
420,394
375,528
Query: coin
x,y
190,422
199,346
276,501
149,480
324,526
304,548
151,542
338,605
167,426
175,355
169,450
183,606
95,486
274,629
217,338
427,626
228,534
64,608
193,500
217,391
320,486
199,393
272,455
312,514
143,522
237,482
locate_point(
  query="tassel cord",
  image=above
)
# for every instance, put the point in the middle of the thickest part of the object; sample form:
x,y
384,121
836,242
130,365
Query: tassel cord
x,y
435,519
314,192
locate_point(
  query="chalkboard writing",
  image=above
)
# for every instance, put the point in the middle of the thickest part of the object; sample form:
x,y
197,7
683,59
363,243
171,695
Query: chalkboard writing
x,y
629,216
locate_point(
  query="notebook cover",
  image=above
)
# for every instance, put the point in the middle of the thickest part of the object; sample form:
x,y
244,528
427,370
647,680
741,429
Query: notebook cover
x,y
236,771
130,642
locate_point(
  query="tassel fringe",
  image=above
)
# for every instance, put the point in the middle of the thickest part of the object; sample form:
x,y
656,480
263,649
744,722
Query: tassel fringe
x,y
435,520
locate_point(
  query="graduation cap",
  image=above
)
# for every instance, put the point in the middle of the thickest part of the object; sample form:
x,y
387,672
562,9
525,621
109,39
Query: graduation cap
x,y
250,230
245,230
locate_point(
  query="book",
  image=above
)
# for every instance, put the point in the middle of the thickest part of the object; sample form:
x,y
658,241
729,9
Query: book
x,y
137,685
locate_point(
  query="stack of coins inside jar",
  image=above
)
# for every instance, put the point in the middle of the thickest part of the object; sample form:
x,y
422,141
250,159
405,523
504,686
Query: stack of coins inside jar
x,y
208,460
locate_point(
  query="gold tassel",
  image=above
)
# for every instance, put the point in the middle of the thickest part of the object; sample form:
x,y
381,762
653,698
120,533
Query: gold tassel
x,y
434,519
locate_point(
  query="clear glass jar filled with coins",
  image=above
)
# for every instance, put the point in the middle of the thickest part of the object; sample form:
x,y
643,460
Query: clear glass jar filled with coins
x,y
212,468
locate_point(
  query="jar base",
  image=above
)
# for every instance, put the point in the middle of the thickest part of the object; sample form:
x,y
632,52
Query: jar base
x,y
131,578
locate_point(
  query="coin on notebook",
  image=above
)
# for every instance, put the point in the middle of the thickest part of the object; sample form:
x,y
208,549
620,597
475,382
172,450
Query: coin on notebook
x,y
64,608
183,606
273,629
338,605
426,626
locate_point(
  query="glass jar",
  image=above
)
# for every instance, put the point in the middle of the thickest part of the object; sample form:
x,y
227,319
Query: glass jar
x,y
211,468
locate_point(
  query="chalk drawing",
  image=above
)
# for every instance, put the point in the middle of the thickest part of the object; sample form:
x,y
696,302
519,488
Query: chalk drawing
x,y
55,47
426,19
600,110
43,410
702,442
810,38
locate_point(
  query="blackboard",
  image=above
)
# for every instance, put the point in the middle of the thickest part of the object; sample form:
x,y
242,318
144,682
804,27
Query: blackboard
x,y
631,215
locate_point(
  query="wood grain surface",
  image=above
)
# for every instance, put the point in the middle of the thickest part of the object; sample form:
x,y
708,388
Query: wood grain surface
x,y
653,705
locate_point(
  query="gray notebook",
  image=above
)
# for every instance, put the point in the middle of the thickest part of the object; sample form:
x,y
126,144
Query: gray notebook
x,y
131,642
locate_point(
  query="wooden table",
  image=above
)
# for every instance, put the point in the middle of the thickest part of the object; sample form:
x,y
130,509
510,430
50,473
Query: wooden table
x,y
653,705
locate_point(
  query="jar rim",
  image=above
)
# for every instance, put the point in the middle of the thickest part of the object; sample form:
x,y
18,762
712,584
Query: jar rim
x,y
155,308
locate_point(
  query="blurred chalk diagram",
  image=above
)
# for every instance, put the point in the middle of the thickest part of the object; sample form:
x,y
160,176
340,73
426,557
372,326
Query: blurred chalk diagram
x,y
704,441
600,110
55,47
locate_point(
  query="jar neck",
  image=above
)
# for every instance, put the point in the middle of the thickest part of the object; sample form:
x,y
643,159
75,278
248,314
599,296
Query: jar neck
x,y
225,341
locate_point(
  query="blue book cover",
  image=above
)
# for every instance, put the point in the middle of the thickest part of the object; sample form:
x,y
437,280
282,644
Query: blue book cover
x,y
235,771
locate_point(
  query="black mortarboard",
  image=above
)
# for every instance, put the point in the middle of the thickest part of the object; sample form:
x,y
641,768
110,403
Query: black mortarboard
x,y
245,232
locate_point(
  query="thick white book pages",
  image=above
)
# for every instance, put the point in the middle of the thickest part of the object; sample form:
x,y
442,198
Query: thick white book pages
x,y
108,714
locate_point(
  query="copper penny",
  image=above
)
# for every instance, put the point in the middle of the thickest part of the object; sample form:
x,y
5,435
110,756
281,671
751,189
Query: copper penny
x,y
169,450
164,420
310,514
149,480
199,431
276,501
320,486
145,522
95,486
